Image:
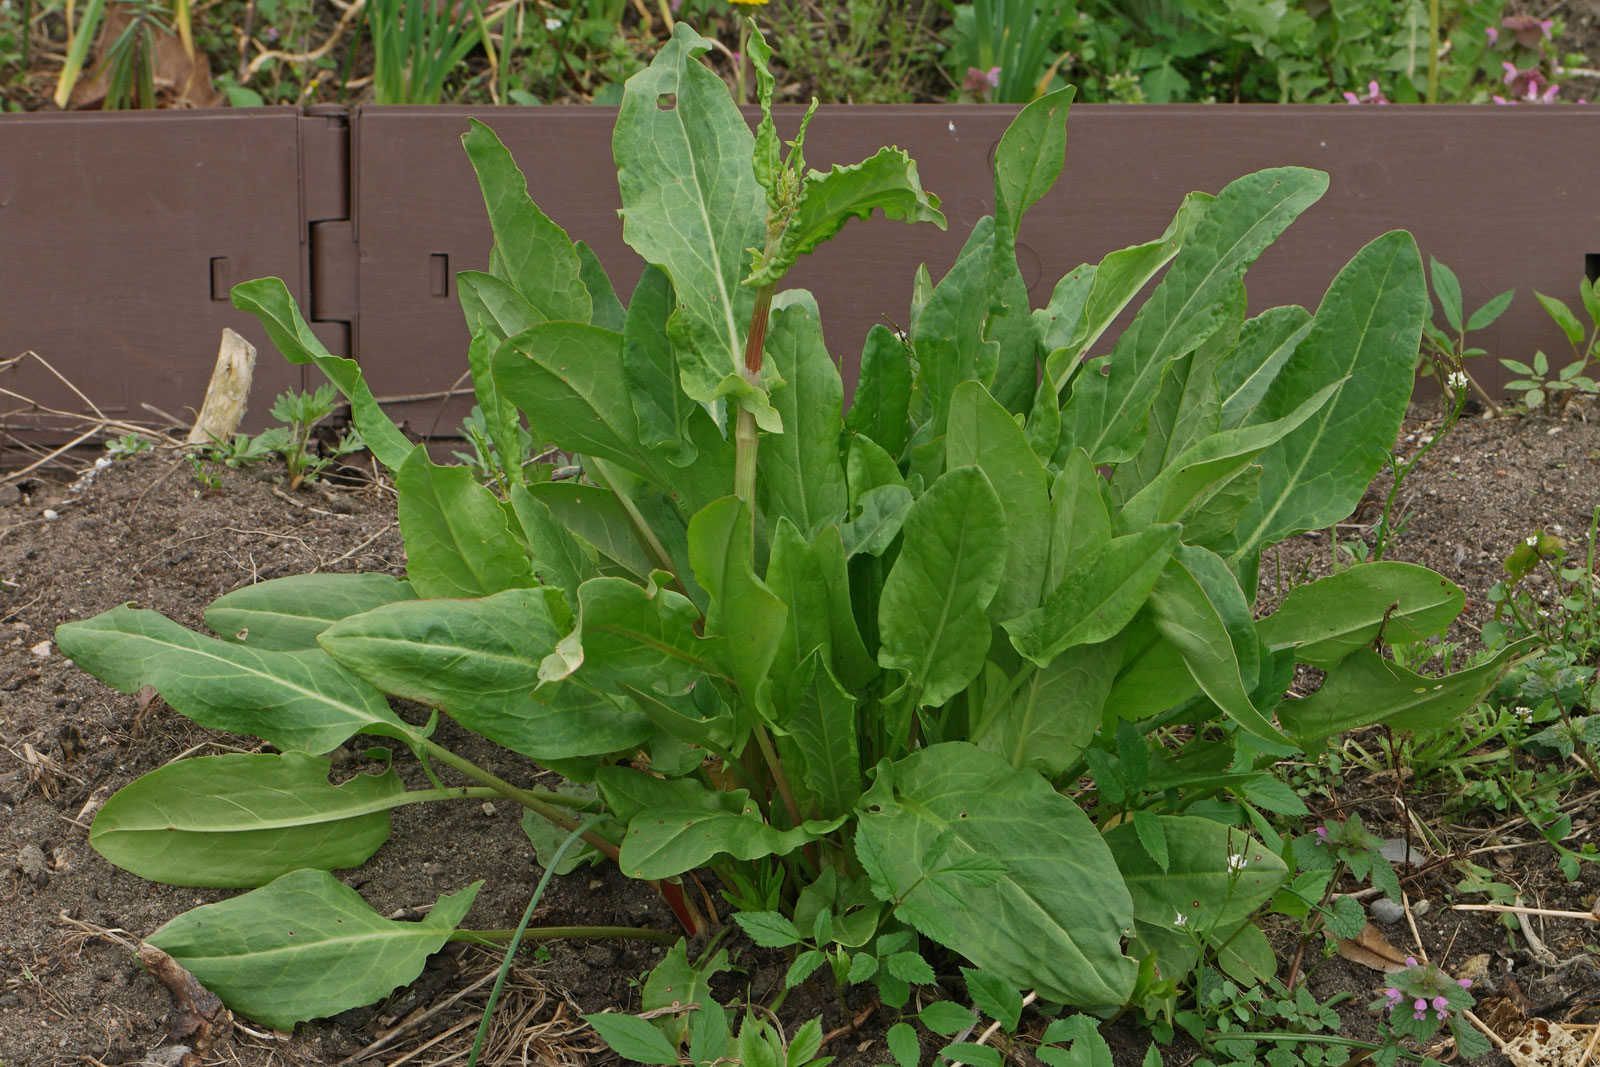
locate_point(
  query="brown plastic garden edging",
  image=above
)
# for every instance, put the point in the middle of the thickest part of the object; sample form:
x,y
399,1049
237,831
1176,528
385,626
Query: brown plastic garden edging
x,y
121,233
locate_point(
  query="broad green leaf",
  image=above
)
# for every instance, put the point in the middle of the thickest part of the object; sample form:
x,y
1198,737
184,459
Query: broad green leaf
x,y
677,983
243,820
801,476
493,305
1366,332
883,512
932,612
1080,519
594,515
1016,374
632,1038
294,700
1112,393
607,311
539,258
886,182
569,378
1152,676
1060,898
1043,717
1030,155
983,434
304,947
478,660
559,562
269,300
664,841
286,614
880,405
1111,287
823,728
794,574
651,371
1198,607
948,335
1097,596
499,414
643,636
867,466
1055,324
744,612
1265,344
1245,954
1448,289
457,535
1558,310
853,665
1364,689
691,204
1326,620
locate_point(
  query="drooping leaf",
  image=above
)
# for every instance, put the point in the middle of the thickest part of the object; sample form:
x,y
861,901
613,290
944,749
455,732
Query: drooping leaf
x,y
243,820
539,258
1365,332
269,300
932,612
1097,596
593,514
744,612
880,406
1111,394
1326,620
1364,689
660,406
458,537
691,204
305,946
886,182
1044,721
1050,852
800,474
643,636
983,434
478,660
294,700
286,614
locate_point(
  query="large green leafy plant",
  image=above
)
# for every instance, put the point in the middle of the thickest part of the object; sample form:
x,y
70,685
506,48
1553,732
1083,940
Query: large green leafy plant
x,y
863,678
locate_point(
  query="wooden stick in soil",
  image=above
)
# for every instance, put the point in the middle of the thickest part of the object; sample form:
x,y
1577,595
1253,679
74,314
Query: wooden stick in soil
x,y
229,392
1519,910
1588,1051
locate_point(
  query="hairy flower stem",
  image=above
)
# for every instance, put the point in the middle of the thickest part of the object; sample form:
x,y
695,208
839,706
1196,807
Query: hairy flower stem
x,y
745,439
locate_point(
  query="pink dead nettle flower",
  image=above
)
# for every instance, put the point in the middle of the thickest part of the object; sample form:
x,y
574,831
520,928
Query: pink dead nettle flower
x,y
1529,30
981,81
1492,33
1529,86
1374,96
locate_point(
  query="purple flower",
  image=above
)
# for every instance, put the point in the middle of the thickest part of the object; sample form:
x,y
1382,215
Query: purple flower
x,y
981,82
1419,1014
1322,831
1440,1004
1374,96
1464,983
1492,33
1421,1006
1411,961
1529,30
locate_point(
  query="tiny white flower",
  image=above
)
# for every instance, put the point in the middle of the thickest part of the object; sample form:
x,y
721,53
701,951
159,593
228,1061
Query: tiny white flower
x,y
1181,920
1532,541
1236,863
1457,380
552,24
1526,714
1544,613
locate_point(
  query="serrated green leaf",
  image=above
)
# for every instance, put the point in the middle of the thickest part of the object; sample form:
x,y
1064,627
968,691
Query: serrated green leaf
x,y
478,660
287,614
886,182
295,700
457,535
903,1044
994,998
768,929
1152,835
910,967
968,1052
305,946
931,615
1347,918
633,1038
243,820
803,967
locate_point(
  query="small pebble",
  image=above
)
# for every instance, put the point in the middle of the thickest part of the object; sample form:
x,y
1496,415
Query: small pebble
x,y
42,650
1386,911
488,808
51,514
1421,908
433,870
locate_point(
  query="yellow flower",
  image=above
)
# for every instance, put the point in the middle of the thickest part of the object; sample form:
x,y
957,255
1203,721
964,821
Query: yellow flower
x,y
751,3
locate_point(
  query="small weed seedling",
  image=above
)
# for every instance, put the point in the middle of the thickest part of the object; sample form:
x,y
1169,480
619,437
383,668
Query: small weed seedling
x,y
1537,387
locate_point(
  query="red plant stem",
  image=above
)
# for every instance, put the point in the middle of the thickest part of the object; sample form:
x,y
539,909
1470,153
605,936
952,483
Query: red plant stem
x,y
745,437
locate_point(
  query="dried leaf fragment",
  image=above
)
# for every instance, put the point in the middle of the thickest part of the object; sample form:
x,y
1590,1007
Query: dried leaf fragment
x,y
1371,949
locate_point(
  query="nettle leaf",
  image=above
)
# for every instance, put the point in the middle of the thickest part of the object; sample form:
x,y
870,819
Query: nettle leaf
x,y
1326,620
1364,689
801,477
932,612
243,820
294,700
305,946
1060,900
633,1038
269,300
287,614
691,204
768,929
1366,334
478,660
1112,393
457,535
539,258
886,182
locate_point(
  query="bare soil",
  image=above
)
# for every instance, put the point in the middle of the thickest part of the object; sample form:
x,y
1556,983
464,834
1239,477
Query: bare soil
x,y
144,530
